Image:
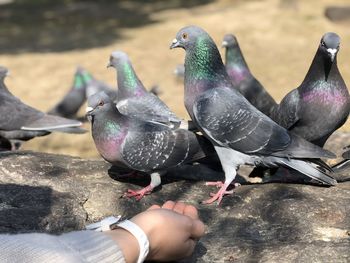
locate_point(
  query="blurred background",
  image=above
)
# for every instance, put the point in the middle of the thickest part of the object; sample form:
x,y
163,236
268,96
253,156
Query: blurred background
x,y
42,42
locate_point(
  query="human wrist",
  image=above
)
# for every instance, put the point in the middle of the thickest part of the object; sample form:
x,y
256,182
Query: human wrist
x,y
150,226
127,242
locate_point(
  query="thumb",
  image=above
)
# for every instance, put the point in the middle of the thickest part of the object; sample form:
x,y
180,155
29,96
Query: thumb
x,y
153,207
198,229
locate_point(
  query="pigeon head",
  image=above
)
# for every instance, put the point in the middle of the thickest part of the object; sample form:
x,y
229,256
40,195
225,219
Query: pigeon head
x,y
189,37
229,41
330,44
117,58
203,60
99,102
128,82
3,72
80,70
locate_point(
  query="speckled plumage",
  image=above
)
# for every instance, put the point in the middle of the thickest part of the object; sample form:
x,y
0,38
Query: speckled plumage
x,y
240,133
321,104
139,145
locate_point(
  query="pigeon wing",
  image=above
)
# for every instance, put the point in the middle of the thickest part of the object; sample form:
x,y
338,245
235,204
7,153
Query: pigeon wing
x,y
15,114
159,148
231,121
147,108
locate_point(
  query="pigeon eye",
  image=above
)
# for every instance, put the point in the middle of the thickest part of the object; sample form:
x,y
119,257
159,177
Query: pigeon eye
x,y
101,103
184,35
323,43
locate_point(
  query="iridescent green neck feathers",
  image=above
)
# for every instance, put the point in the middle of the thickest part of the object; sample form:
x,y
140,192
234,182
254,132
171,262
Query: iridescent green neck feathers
x,y
203,60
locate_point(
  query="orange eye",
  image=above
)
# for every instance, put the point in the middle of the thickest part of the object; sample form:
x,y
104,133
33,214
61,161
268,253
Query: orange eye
x,y
184,35
101,103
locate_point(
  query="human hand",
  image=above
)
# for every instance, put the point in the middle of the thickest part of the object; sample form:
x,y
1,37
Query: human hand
x,y
172,230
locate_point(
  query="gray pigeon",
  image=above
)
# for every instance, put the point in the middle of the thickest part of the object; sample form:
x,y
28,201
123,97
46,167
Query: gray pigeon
x,y
134,100
20,121
240,133
143,146
73,100
321,104
93,85
243,79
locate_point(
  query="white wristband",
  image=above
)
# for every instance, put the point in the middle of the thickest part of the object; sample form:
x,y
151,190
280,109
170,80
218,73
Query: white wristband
x,y
110,223
141,237
104,225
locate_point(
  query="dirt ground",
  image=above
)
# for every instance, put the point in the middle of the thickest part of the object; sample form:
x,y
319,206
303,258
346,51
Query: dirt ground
x,y
278,38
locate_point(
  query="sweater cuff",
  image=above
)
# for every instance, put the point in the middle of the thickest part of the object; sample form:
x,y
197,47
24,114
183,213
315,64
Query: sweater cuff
x,y
93,247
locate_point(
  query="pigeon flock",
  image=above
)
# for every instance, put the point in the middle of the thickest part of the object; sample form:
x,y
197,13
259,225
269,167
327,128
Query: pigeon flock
x,y
234,120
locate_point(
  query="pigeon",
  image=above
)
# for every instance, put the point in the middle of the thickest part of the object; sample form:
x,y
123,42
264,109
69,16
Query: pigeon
x,y
243,79
321,104
93,85
133,99
143,146
20,121
240,133
73,100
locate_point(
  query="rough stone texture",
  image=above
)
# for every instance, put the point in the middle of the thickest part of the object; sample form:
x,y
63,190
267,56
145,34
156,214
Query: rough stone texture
x,y
261,222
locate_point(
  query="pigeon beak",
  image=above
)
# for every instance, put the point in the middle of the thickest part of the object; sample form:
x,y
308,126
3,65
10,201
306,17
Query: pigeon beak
x,y
89,110
332,52
224,44
109,65
174,44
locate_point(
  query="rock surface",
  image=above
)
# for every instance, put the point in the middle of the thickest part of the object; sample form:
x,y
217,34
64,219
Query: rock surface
x,y
261,222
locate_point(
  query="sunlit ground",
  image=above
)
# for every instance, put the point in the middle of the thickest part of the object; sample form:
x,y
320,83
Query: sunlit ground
x,y
278,41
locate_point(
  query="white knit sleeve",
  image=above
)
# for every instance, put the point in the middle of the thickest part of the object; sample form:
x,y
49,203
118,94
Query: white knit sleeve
x,y
79,246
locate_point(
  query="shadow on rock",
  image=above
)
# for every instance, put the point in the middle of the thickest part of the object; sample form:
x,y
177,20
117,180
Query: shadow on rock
x,y
43,25
37,209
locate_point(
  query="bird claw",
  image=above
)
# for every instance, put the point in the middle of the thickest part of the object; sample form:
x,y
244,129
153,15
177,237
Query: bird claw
x,y
219,195
139,194
225,193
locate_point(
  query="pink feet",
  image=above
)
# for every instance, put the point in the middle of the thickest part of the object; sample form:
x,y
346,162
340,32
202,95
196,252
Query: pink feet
x,y
223,191
140,193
